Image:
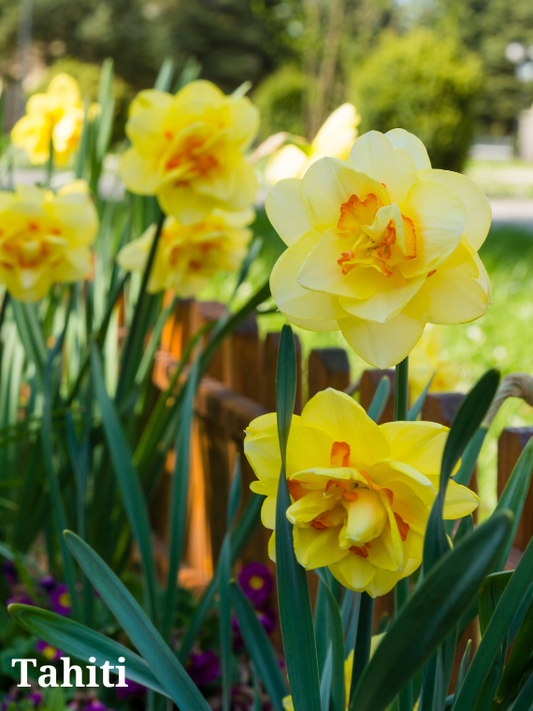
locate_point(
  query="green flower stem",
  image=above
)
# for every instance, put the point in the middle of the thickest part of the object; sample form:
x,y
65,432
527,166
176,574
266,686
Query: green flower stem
x,y
50,164
401,592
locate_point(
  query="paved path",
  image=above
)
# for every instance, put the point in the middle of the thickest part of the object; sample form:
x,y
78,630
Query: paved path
x,y
513,212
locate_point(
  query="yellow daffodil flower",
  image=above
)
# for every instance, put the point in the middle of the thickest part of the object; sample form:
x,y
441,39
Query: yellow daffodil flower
x,y
335,138
45,238
189,255
426,361
56,115
360,493
348,669
188,150
380,245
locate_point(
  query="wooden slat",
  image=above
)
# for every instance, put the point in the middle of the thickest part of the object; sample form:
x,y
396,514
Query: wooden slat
x,y
370,380
510,446
328,368
441,407
245,351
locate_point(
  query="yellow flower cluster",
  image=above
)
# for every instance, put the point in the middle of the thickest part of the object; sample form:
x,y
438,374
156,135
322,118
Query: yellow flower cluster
x,y
45,238
188,150
56,116
379,245
360,493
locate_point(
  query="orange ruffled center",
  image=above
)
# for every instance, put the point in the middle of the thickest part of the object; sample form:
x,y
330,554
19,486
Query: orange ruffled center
x,y
376,249
28,244
349,499
196,248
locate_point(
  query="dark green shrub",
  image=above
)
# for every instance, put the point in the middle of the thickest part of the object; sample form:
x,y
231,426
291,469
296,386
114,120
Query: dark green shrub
x,y
426,84
279,98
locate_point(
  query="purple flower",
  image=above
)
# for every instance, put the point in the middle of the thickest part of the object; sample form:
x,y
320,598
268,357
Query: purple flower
x,y
203,667
60,600
9,572
95,705
256,582
268,619
36,698
7,701
48,583
133,689
47,650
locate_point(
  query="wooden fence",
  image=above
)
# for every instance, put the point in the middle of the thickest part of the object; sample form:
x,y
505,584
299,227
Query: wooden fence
x,y
239,386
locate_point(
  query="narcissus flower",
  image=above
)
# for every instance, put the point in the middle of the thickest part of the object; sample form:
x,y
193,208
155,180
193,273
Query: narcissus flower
x,y
188,150
189,255
335,138
426,360
360,493
380,245
56,115
45,238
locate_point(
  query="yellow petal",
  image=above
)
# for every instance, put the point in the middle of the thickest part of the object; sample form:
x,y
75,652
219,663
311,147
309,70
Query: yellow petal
x,y
310,325
478,209
365,521
382,344
384,580
316,549
413,146
244,121
185,203
460,501
139,174
289,296
268,513
391,294
148,113
381,550
337,134
345,420
374,155
328,184
391,473
439,217
452,294
272,547
289,162
354,572
286,211
418,444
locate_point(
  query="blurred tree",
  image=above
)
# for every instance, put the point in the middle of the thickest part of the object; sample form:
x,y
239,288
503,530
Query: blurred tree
x,y
279,99
426,84
487,27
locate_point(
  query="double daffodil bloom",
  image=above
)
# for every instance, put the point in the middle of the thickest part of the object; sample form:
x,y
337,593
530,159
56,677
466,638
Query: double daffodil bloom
x,y
45,238
188,149
188,256
360,493
335,139
55,116
426,361
380,245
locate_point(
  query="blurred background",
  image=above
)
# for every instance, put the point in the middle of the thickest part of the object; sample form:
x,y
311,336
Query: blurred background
x,y
457,73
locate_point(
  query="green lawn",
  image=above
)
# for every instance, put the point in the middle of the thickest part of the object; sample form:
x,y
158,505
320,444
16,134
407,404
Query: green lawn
x,y
503,338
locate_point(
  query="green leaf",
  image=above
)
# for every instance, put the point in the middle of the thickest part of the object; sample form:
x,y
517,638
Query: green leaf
x,y
159,657
489,596
164,78
128,480
518,662
81,642
417,407
293,594
338,686
524,701
514,495
379,401
31,335
432,611
469,416
178,499
247,523
497,630
259,648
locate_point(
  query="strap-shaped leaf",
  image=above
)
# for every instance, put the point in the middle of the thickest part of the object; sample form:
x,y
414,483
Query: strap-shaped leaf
x,y
293,594
497,630
432,611
518,662
471,412
259,647
159,657
379,401
338,686
81,642
128,480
